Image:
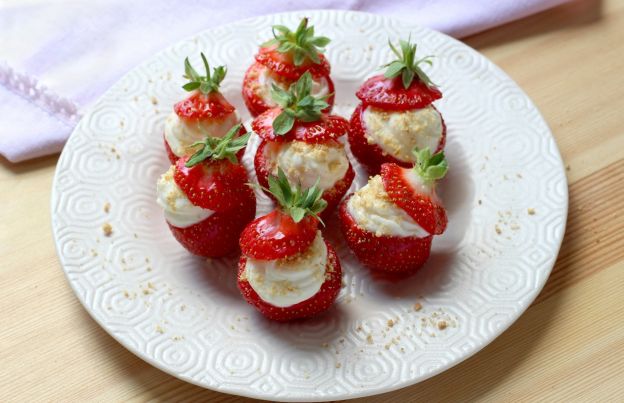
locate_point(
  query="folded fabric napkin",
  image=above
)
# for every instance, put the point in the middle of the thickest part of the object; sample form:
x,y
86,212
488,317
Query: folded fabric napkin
x,y
56,58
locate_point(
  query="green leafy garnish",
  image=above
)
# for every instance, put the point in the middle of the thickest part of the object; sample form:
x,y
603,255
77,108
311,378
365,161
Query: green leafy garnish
x,y
407,65
206,84
297,103
295,201
430,167
218,148
302,43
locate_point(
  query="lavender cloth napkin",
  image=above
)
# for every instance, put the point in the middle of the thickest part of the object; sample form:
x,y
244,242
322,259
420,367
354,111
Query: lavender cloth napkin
x,y
57,58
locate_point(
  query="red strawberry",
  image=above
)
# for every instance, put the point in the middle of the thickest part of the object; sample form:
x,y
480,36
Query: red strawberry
x,y
207,101
332,196
215,185
318,303
276,236
217,235
389,93
384,253
203,106
326,128
287,57
403,188
370,154
213,179
289,234
283,64
291,228
404,85
414,189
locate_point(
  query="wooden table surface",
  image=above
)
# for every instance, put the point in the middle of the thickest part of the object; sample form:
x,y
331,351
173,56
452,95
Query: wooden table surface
x,y
569,345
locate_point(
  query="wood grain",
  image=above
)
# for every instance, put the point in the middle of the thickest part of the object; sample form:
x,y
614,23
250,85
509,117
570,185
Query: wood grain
x,y
569,346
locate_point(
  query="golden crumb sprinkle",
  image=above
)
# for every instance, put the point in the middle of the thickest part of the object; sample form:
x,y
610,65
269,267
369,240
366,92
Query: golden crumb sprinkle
x,y
417,306
107,207
531,211
390,323
497,229
369,338
107,229
442,325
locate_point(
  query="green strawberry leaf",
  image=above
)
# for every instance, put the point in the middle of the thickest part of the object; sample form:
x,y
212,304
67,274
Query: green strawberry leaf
x,y
216,148
297,104
207,83
407,65
430,167
295,201
301,44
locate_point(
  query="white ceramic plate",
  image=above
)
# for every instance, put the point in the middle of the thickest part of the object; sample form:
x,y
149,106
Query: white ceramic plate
x,y
186,317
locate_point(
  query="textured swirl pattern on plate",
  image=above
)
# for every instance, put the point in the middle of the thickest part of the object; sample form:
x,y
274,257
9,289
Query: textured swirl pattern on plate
x,y
506,195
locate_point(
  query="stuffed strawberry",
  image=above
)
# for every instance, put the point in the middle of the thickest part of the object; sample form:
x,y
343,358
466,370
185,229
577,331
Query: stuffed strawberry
x,y
282,61
205,111
396,113
287,270
304,142
205,196
390,222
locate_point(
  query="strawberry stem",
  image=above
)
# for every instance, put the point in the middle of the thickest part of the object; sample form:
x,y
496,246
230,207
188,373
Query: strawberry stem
x,y
297,103
295,201
406,65
217,148
430,167
206,84
302,43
